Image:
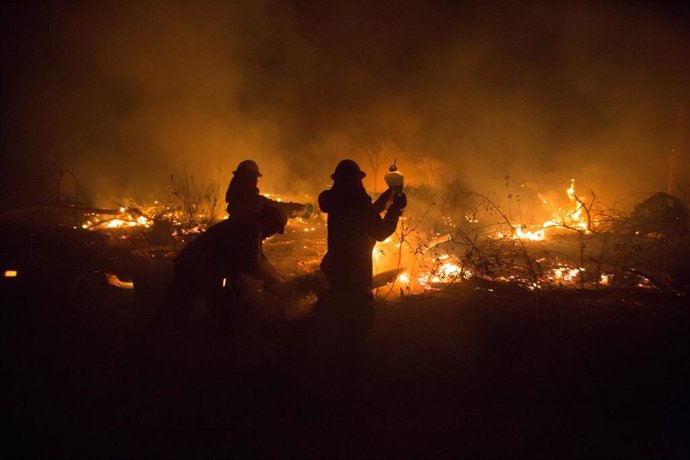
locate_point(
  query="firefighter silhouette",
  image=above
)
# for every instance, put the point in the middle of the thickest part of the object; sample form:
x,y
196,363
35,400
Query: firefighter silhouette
x,y
214,265
354,226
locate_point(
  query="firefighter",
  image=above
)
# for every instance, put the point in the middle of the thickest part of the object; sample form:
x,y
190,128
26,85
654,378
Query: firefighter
x,y
214,265
243,197
354,226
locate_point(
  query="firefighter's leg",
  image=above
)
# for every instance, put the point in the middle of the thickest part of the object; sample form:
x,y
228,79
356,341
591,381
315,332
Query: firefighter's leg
x,y
166,337
220,298
244,288
178,302
358,319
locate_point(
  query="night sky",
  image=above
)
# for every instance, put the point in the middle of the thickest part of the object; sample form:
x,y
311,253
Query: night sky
x,y
124,93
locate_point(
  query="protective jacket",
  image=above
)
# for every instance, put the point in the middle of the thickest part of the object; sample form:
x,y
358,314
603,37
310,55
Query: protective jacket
x,y
231,246
243,199
354,226
242,196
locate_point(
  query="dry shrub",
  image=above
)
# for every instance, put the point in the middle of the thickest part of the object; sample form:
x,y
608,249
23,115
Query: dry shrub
x,y
196,197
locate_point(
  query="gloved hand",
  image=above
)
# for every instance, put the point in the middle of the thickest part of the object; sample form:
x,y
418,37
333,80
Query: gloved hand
x,y
307,210
400,201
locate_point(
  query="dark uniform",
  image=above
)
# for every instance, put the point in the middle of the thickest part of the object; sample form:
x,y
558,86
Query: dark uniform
x,y
354,226
211,266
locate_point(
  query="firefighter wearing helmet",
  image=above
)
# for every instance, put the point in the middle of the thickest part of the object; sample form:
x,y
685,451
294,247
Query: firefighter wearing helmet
x,y
243,197
248,167
354,226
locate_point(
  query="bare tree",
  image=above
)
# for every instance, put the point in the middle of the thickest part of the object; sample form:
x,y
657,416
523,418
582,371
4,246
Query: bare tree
x,y
377,157
431,167
380,153
198,196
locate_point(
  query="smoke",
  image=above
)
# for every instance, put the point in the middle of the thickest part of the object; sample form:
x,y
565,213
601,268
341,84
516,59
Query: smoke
x,y
124,93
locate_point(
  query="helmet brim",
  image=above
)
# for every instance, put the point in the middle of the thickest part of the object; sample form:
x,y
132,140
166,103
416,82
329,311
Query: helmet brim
x,y
257,174
350,173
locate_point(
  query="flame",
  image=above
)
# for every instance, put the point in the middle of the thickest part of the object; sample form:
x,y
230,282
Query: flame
x,y
571,190
443,272
566,274
536,235
125,220
575,218
425,268
450,269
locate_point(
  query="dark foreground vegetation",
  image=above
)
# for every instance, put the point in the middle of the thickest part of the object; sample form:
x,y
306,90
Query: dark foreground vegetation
x,y
473,370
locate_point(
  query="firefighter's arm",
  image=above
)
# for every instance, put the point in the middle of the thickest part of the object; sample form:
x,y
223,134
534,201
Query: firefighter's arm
x,y
380,203
274,282
291,208
379,228
256,264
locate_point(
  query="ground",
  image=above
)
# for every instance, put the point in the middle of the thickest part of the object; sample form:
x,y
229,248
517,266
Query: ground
x,y
468,371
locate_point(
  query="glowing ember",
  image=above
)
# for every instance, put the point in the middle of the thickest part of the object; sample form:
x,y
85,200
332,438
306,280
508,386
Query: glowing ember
x,y
566,274
645,284
114,280
443,272
449,269
11,273
125,220
424,257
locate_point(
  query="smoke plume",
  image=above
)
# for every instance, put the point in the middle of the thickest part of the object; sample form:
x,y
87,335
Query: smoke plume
x,y
124,93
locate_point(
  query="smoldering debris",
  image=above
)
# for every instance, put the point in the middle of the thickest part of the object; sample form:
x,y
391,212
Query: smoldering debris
x,y
433,250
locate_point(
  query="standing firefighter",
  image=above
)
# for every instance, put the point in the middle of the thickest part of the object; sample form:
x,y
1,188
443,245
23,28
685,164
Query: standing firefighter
x,y
243,197
354,226
213,266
